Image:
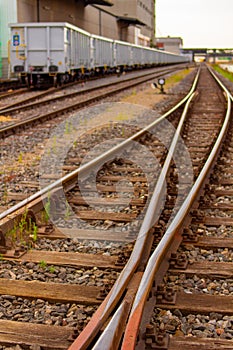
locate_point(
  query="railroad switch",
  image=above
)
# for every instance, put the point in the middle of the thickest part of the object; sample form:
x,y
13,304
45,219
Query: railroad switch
x,y
156,338
165,295
178,261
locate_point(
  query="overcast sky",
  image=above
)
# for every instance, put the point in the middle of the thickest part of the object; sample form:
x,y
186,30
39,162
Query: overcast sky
x,y
200,23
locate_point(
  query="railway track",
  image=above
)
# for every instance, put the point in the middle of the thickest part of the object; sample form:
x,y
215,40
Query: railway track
x,y
198,308
139,333
102,225
20,153
49,108
7,84
31,95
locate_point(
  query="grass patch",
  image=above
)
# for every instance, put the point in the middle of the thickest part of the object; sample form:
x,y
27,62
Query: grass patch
x,y
223,72
176,78
149,97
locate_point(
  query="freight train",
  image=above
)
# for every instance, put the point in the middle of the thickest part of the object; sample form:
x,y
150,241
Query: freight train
x,y
51,54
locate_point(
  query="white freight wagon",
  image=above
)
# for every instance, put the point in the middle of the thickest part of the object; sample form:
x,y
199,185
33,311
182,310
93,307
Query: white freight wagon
x,y
101,53
48,51
123,54
137,55
47,54
151,56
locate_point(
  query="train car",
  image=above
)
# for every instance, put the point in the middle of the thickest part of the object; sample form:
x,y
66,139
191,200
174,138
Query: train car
x,y
137,56
150,56
123,55
101,54
50,54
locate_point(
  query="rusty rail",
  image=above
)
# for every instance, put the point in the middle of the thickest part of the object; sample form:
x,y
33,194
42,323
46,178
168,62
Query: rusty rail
x,y
86,168
113,298
162,250
101,315
15,106
10,129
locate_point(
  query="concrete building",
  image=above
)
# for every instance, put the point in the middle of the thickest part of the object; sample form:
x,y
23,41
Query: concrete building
x,y
135,20
127,20
170,44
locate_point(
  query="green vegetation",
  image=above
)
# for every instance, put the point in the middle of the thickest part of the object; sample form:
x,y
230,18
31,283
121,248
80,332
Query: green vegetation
x,y
24,232
68,211
68,127
176,78
43,264
34,232
47,208
52,269
20,157
223,72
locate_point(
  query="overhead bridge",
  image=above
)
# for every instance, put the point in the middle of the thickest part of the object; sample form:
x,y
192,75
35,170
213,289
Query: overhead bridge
x,y
208,53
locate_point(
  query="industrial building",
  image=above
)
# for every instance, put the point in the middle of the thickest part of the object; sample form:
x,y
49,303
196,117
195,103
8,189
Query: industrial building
x,y
127,20
170,44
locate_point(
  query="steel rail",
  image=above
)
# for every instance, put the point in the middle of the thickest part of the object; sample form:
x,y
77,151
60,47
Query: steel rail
x,y
7,130
63,87
161,251
104,311
23,104
111,337
119,287
107,339
11,94
87,167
